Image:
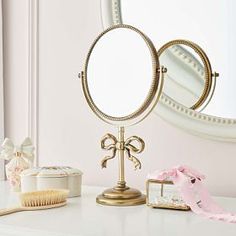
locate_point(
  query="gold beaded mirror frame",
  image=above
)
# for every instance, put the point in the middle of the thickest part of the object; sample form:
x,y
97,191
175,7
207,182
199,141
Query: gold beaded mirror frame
x,y
121,194
209,77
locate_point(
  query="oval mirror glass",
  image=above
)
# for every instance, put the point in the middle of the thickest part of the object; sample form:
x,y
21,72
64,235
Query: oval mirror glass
x,y
121,78
188,80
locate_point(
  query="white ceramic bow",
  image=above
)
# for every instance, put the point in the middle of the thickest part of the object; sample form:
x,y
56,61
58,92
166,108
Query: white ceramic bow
x,y
25,150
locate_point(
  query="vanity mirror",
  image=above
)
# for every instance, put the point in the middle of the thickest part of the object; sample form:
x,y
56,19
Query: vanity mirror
x,y
189,80
122,85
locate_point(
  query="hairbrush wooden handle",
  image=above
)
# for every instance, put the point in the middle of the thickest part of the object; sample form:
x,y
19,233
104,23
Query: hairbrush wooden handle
x,y
8,211
11,210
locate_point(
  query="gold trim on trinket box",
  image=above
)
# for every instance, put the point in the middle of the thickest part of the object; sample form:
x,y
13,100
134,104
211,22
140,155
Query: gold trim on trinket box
x,y
163,194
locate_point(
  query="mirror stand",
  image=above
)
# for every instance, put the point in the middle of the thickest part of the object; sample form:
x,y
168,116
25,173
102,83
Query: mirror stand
x,y
121,194
214,76
101,89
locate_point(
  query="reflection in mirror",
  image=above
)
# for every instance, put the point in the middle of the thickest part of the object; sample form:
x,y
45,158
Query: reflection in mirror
x,y
214,30
186,79
120,72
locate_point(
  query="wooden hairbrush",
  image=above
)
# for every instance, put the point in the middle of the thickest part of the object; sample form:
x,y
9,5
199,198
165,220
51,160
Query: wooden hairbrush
x,y
39,200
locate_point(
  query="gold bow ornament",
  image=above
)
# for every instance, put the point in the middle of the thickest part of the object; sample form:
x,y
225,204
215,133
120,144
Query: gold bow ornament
x,y
19,157
110,142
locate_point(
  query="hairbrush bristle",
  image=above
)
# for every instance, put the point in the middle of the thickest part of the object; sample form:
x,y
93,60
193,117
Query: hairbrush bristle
x,y
43,198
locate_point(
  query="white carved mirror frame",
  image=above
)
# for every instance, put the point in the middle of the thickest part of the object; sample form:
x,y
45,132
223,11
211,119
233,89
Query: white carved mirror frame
x,y
212,127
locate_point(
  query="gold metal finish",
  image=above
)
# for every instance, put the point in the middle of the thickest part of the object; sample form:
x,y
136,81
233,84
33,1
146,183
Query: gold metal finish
x,y
129,197
121,146
121,194
215,74
18,154
166,205
206,63
213,87
152,96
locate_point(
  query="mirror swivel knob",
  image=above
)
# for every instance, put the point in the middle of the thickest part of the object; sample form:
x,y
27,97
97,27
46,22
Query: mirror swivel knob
x,y
81,75
162,69
215,74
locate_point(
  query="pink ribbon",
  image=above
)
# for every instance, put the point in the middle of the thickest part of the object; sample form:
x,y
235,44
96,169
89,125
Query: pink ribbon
x,y
194,193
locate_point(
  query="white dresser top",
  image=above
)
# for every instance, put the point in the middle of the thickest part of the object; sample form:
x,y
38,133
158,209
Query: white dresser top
x,y
83,217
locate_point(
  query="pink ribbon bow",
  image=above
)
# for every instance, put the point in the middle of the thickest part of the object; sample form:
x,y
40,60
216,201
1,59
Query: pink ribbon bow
x,y
194,193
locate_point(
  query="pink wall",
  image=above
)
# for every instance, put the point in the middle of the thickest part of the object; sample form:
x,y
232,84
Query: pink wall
x,y
15,54
69,132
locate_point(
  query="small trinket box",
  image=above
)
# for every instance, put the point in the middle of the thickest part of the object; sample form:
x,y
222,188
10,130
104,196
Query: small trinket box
x,y
163,194
53,177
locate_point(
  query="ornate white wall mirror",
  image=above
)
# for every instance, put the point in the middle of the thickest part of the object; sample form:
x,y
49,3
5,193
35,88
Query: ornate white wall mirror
x,y
122,85
218,120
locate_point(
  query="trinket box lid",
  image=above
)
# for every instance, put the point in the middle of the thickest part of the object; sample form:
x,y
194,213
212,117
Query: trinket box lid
x,y
51,171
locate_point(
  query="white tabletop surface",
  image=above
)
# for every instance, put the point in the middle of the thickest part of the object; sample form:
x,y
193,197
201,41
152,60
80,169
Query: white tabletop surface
x,y
82,216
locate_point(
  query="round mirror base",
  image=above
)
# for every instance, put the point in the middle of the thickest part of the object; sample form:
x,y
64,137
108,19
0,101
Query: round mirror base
x,y
118,197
